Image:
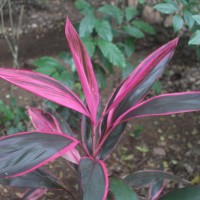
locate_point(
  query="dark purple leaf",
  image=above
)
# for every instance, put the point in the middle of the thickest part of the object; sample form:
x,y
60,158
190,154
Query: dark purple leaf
x,y
44,121
111,141
45,87
137,93
86,134
165,105
142,178
93,179
38,178
103,125
135,87
24,152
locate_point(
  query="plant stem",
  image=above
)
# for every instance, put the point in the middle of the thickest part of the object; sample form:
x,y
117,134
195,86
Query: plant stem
x,y
11,22
70,193
20,23
84,149
2,4
4,31
93,139
12,42
102,141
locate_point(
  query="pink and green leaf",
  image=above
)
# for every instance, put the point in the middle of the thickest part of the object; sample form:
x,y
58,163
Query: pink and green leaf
x,y
24,152
38,178
45,87
84,69
93,179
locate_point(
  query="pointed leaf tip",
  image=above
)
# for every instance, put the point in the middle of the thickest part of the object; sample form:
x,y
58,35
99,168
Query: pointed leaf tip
x,y
45,87
84,69
44,121
128,95
136,86
165,104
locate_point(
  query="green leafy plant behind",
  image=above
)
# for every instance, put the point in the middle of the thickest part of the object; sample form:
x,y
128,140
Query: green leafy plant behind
x,y
61,68
109,34
13,117
56,68
124,193
186,18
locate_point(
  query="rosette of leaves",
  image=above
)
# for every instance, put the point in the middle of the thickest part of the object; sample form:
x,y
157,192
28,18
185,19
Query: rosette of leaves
x,y
23,154
186,14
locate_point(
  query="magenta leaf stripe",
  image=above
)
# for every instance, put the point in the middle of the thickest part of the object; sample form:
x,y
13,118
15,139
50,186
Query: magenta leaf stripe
x,y
24,152
33,194
44,121
138,93
135,95
156,189
93,179
144,68
45,87
165,105
84,69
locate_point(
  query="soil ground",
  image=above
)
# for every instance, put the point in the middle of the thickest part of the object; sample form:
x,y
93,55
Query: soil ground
x,y
171,141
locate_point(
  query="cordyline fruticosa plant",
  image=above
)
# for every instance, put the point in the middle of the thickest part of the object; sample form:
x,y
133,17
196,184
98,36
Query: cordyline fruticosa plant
x,y
23,154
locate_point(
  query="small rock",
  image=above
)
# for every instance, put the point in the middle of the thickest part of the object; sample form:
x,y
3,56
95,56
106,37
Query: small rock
x,y
159,151
128,157
160,130
162,138
188,168
156,123
195,131
34,26
192,79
